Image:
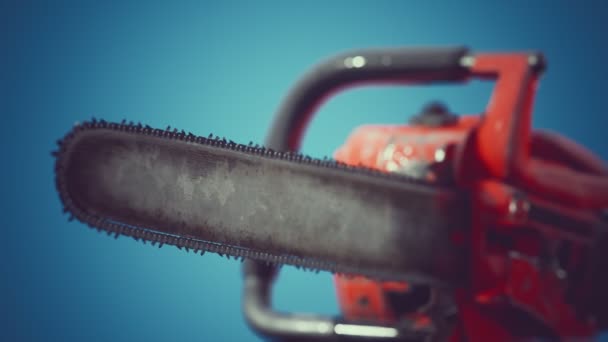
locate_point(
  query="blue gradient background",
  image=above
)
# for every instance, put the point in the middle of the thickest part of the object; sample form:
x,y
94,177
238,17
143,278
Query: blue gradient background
x,y
222,67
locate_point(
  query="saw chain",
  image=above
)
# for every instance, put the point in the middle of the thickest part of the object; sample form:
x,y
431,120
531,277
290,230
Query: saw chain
x,y
209,194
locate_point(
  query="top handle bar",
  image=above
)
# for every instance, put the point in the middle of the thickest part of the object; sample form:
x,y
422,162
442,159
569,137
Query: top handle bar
x,y
392,66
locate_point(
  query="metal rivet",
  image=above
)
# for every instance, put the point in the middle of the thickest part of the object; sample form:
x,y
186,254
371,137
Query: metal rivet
x,y
467,61
439,155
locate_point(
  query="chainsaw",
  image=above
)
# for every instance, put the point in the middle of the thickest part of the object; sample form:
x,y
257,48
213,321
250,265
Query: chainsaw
x,y
452,227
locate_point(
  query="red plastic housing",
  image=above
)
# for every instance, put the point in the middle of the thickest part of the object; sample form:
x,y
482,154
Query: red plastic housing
x,y
533,194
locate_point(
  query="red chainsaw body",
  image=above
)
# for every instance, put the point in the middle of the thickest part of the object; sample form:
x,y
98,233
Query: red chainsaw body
x,y
535,199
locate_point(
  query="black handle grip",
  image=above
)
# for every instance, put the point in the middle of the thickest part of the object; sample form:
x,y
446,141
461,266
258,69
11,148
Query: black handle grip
x,y
398,65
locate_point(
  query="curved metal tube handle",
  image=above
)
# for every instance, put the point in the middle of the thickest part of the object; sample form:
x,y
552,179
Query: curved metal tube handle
x,y
393,66
265,321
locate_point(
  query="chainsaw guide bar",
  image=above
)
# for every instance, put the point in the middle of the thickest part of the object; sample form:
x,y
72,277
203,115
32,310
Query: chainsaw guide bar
x,y
244,201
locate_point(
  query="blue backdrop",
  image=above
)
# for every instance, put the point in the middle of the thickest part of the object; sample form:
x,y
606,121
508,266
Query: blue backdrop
x,y
223,67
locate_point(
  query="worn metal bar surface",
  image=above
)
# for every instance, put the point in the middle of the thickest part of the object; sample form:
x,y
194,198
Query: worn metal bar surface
x,y
250,202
